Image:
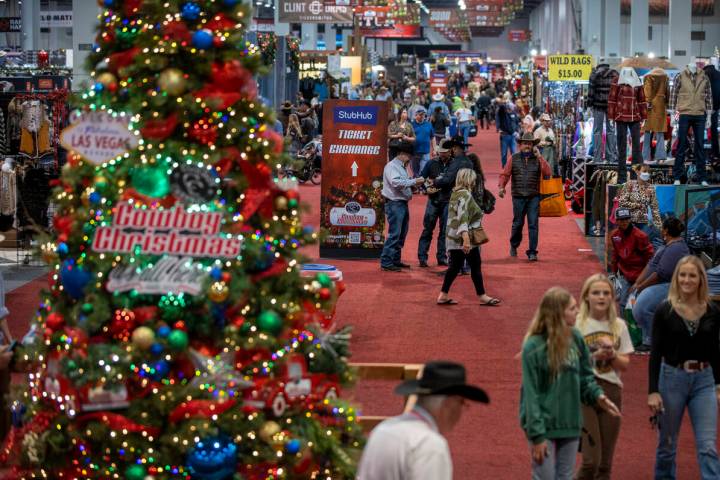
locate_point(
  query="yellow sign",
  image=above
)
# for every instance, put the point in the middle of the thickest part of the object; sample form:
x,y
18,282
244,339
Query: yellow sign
x,y
569,68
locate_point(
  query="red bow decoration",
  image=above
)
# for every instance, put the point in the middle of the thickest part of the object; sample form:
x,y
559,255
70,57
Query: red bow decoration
x,y
177,31
219,98
233,77
132,194
161,128
131,7
119,60
276,140
118,422
199,408
220,23
253,199
276,269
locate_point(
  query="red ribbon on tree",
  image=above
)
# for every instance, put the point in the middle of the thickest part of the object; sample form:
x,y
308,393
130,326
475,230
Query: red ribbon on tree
x,y
159,129
177,31
276,269
200,408
119,60
118,422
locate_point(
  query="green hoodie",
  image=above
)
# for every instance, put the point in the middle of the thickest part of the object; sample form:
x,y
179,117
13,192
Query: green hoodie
x,y
550,409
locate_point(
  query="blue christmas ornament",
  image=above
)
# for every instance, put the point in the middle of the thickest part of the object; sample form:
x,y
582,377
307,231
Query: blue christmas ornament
x,y
95,197
202,39
162,368
213,458
292,446
74,279
156,348
230,3
98,87
62,249
307,230
216,273
190,11
163,331
108,3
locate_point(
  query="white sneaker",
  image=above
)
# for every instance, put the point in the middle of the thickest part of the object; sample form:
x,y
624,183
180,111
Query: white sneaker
x,y
704,183
676,182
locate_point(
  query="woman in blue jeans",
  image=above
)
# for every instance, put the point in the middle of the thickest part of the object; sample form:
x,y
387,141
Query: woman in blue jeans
x,y
685,369
653,284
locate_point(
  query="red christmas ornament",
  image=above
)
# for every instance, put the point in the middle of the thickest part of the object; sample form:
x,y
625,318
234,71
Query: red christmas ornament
x,y
177,31
179,325
238,321
220,23
292,194
218,42
159,129
361,198
122,324
203,132
325,293
226,277
55,321
43,59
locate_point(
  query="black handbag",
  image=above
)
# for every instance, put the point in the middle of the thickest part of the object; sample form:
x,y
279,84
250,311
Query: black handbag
x,y
488,201
473,130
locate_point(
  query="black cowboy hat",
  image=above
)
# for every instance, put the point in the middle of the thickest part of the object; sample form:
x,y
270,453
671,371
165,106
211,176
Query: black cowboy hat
x,y
402,147
459,141
528,137
443,378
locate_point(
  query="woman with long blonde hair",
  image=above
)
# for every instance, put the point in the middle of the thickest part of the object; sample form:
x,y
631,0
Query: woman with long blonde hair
x,y
609,342
684,369
556,380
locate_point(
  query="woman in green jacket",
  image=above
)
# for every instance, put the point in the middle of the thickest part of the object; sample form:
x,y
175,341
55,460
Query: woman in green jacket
x,y
557,377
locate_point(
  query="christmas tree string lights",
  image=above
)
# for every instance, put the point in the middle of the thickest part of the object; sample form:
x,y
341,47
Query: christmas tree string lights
x,y
176,338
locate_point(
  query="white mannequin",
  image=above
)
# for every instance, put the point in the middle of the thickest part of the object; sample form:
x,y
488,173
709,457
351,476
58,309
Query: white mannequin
x,y
7,165
715,62
692,66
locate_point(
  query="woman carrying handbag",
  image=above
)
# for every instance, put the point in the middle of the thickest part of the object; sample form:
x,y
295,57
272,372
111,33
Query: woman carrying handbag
x,y
464,236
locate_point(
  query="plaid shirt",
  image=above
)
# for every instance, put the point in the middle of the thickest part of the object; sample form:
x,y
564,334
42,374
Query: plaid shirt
x,y
676,89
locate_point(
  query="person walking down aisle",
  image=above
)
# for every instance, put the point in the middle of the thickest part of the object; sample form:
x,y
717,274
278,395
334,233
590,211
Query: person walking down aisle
x,y
684,370
526,169
412,446
483,110
436,208
556,380
423,141
653,283
507,124
609,342
464,216
397,192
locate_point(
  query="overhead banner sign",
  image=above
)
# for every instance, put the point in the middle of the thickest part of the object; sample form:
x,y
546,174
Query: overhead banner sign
x,y
10,24
438,81
569,68
55,19
354,156
398,31
313,11
518,35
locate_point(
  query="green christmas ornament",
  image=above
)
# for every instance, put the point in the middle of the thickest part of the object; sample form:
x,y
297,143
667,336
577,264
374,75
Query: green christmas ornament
x,y
270,322
324,280
135,472
292,203
126,36
152,180
178,340
87,308
245,328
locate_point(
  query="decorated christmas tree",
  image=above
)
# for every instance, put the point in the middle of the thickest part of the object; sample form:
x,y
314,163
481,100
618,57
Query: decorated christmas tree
x,y
178,337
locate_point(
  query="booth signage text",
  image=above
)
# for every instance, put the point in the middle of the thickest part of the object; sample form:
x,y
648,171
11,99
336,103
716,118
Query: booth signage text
x,y
569,68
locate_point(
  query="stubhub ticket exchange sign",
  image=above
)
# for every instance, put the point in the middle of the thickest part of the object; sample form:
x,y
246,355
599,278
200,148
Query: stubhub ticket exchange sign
x,y
354,155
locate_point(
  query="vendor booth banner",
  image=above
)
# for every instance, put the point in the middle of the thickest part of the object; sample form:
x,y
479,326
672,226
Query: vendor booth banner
x,y
397,31
354,156
313,11
569,68
438,81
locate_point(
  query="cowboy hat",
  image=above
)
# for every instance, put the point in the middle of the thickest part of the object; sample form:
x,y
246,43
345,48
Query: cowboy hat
x,y
438,97
545,117
402,147
443,378
459,141
527,137
444,146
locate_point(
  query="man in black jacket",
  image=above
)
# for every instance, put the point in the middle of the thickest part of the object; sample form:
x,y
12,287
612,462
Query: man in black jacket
x,y
483,109
436,208
598,92
506,123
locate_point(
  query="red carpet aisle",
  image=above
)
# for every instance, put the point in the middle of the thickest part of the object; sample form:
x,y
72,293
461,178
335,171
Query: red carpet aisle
x,y
396,320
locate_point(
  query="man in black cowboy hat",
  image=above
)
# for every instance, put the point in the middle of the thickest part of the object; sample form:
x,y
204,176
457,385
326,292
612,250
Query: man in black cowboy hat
x,y
397,191
526,168
412,446
459,161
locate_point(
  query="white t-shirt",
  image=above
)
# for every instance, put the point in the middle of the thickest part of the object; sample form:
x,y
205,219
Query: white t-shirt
x,y
597,334
464,114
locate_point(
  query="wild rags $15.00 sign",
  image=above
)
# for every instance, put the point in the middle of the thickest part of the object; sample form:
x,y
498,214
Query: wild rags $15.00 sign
x,y
354,156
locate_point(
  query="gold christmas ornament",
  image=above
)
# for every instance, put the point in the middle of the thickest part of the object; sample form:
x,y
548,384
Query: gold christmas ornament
x,y
268,430
281,203
143,337
172,81
107,79
218,292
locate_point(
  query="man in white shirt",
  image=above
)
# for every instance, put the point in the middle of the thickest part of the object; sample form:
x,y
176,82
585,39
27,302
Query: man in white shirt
x,y
412,446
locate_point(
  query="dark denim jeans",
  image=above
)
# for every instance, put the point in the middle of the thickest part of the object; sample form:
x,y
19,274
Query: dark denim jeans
x,y
435,212
697,123
696,391
398,217
526,207
622,130
715,144
507,147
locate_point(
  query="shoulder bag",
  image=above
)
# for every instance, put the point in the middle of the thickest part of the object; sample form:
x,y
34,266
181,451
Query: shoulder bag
x,y
478,236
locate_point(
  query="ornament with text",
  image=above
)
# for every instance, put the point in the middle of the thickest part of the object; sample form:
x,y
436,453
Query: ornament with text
x,y
98,136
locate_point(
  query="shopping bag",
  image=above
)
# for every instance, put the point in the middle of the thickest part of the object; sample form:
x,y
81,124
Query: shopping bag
x,y
552,198
633,328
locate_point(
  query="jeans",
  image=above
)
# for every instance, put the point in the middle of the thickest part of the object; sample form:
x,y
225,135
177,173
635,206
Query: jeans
x,y
457,259
435,212
660,152
507,144
560,461
697,124
464,129
715,147
696,391
484,117
622,130
398,217
522,207
600,118
645,306
599,435
622,291
418,163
